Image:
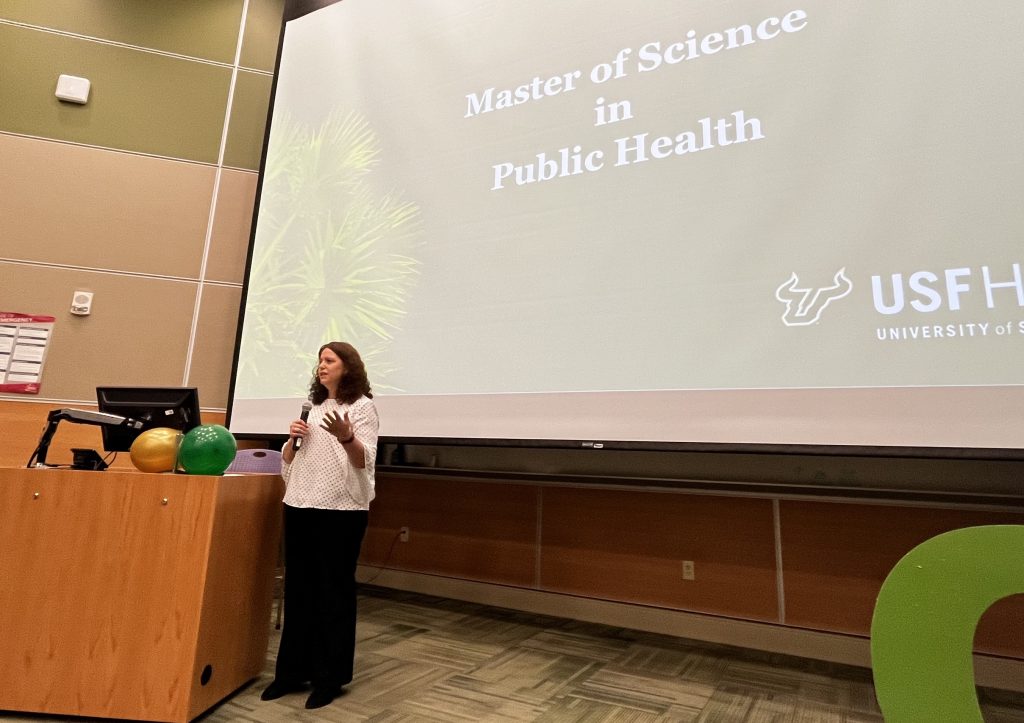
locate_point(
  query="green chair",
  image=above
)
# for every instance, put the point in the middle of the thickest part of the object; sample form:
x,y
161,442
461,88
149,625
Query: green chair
x,y
922,631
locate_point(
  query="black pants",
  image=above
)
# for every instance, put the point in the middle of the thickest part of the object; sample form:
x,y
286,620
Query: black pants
x,y
318,642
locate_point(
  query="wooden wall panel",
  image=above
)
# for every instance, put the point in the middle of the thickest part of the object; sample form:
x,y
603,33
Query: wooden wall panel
x,y
1001,629
835,557
629,546
470,530
95,208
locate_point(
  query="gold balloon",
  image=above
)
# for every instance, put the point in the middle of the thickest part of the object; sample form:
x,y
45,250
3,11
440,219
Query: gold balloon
x,y
156,450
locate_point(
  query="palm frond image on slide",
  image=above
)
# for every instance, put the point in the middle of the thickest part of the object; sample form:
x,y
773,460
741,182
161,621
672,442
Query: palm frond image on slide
x,y
333,257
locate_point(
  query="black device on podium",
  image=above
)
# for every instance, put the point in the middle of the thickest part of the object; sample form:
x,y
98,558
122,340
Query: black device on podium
x,y
87,459
174,407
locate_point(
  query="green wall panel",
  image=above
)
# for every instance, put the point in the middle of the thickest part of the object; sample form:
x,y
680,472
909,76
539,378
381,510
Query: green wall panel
x,y
248,120
262,31
198,28
140,101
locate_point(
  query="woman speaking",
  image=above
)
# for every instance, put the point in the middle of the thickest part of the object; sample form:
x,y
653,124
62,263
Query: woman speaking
x,y
329,485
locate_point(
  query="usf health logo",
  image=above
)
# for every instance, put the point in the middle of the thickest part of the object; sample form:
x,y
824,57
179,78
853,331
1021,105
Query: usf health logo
x,y
804,305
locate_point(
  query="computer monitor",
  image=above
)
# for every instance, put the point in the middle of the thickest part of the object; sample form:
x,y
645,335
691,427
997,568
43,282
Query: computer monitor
x,y
174,407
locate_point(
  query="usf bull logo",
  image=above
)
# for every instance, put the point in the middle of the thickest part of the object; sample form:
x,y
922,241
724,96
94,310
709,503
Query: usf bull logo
x,y
804,306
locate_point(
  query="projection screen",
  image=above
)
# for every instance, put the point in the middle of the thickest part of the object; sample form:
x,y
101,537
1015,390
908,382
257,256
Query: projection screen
x,y
669,221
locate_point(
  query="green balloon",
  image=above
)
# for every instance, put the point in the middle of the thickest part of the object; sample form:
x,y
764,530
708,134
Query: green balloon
x,y
922,632
207,449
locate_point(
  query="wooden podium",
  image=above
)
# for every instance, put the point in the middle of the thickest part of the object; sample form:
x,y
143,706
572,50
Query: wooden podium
x,y
131,595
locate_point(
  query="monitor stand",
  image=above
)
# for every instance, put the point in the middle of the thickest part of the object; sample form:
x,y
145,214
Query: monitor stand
x,y
87,459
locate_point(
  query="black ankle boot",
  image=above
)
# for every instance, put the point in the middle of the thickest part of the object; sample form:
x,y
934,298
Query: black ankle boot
x,y
279,688
321,697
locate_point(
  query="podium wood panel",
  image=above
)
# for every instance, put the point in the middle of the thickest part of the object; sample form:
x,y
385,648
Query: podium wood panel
x,y
113,602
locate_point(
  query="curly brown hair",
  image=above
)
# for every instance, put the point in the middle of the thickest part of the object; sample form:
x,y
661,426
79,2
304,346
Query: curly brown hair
x,y
354,383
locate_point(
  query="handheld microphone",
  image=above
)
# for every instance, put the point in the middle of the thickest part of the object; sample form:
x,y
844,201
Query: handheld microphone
x,y
306,406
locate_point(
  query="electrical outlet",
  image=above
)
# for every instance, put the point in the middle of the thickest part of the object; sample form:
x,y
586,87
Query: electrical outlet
x,y
403,534
688,570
